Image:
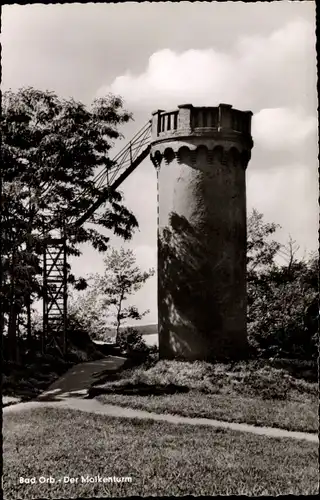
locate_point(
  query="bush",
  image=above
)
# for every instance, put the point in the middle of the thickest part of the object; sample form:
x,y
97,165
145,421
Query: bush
x,y
132,344
250,379
193,375
283,311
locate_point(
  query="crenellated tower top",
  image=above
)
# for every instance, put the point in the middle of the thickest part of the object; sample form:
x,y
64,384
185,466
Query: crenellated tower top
x,y
204,121
219,128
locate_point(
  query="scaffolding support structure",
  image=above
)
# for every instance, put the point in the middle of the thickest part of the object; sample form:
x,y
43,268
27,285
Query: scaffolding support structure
x,y
55,294
55,279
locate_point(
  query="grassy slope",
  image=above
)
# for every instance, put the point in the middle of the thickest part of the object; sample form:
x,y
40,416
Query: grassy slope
x,y
162,459
290,415
248,393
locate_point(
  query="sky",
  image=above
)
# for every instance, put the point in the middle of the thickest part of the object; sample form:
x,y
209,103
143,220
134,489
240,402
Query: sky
x,y
258,56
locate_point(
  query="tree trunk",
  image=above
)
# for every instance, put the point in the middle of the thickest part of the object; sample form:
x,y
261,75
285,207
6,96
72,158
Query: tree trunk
x,y
12,326
119,317
28,307
29,249
12,333
18,347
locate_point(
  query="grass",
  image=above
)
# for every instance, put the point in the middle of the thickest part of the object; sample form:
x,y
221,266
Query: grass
x,y
245,378
162,459
290,415
251,393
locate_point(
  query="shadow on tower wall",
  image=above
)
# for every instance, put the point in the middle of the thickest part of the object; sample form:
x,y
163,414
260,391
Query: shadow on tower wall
x,y
194,296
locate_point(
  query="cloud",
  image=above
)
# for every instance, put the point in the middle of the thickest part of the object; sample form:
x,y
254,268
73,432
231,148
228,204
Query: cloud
x,y
274,76
289,198
171,76
276,70
282,128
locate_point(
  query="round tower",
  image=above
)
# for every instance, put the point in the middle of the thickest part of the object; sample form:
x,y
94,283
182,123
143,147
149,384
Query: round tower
x,y
201,155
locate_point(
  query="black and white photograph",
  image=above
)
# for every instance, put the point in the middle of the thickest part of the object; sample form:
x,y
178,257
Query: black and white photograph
x,y
159,249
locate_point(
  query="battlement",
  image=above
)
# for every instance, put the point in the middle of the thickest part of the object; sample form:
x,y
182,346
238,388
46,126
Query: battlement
x,y
190,120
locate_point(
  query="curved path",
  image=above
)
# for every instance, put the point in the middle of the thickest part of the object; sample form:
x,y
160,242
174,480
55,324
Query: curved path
x,y
79,378
94,406
70,389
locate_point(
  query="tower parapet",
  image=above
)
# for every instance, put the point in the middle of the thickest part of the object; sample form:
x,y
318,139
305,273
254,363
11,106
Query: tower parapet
x,y
201,154
200,121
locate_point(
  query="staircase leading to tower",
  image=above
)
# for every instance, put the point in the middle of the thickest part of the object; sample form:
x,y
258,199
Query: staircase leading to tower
x,y
55,255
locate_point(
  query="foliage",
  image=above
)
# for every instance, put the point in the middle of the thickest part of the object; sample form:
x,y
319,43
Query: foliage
x,y
100,307
121,279
282,298
250,379
131,343
51,150
87,311
261,250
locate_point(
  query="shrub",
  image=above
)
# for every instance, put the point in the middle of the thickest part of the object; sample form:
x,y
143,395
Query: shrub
x,y
283,311
253,379
194,375
133,345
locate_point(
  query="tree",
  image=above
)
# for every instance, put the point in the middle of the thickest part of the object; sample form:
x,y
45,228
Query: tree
x,y
51,150
261,250
280,295
87,310
121,279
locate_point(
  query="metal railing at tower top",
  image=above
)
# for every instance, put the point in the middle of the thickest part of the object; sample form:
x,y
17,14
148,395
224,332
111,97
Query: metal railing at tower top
x,y
125,162
189,119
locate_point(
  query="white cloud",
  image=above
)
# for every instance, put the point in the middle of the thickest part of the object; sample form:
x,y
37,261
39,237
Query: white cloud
x,y
274,70
272,75
170,77
289,198
282,128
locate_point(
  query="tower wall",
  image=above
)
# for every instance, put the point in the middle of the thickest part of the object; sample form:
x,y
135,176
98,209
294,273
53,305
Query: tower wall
x,y
201,155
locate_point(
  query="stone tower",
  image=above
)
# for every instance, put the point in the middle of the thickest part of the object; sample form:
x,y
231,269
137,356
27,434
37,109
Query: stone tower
x,y
201,155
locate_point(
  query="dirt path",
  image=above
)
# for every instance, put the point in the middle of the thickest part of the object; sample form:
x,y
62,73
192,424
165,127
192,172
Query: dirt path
x,y
77,380
94,406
